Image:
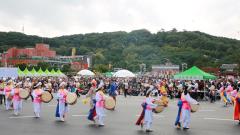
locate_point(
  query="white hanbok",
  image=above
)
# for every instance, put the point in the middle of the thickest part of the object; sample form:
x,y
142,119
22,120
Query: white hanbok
x,y
148,116
186,109
63,108
37,101
17,101
100,108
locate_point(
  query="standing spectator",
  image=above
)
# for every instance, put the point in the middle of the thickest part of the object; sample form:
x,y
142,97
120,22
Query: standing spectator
x,y
2,96
126,87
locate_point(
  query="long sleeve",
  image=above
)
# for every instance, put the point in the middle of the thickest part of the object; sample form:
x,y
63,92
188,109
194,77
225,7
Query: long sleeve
x,y
4,91
98,97
190,99
12,92
150,103
34,94
59,96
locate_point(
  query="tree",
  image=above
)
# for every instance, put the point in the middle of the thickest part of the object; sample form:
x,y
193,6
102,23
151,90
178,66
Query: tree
x,y
66,68
22,66
43,65
101,68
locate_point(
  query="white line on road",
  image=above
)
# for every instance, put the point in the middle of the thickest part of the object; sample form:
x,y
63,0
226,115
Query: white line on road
x,y
52,105
20,117
161,116
220,119
84,115
207,110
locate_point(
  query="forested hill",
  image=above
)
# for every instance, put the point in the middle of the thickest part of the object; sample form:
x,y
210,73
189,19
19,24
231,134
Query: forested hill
x,y
128,50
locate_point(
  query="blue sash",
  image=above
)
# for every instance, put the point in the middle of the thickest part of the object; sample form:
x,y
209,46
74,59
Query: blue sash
x,y
179,112
57,110
92,112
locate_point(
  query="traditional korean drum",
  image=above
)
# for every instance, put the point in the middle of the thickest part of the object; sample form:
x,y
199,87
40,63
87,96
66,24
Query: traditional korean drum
x,y
194,107
24,93
109,103
71,98
164,100
46,97
160,106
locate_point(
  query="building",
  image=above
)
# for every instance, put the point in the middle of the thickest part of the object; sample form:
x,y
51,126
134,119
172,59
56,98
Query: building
x,y
15,55
165,70
211,70
229,70
43,53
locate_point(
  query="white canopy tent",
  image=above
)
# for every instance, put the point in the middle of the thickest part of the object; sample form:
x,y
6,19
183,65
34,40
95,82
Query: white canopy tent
x,y
86,72
124,73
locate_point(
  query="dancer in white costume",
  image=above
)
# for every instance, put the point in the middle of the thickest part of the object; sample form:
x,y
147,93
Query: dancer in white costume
x,y
37,99
62,107
17,101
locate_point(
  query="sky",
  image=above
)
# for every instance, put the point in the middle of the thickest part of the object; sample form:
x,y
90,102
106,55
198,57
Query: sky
x,y
51,18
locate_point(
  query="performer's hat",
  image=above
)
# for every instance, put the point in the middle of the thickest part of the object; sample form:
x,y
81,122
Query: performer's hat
x,y
39,84
19,83
62,84
9,81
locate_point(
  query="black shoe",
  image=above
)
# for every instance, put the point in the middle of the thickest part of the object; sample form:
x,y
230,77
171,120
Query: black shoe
x,y
100,125
185,128
148,130
239,123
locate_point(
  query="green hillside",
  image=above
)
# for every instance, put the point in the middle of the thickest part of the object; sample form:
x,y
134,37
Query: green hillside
x,y
128,50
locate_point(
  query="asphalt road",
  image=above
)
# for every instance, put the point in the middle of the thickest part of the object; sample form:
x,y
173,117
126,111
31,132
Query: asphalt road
x,y
211,119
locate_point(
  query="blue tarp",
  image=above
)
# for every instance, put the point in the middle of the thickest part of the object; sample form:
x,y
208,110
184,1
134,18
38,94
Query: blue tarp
x,y
9,72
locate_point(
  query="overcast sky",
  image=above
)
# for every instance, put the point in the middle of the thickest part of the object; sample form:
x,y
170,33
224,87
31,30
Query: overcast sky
x,y
63,17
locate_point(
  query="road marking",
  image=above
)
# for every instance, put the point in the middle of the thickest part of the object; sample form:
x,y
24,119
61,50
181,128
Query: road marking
x,y
20,117
83,115
52,105
220,119
161,116
207,110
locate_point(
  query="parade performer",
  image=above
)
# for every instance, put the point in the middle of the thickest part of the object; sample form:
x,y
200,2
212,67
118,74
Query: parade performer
x,y
237,108
100,98
37,99
224,96
91,94
164,94
177,122
2,96
62,107
17,101
7,93
146,117
186,108
113,91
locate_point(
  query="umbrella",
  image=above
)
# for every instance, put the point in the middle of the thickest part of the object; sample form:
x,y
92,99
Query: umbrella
x,y
86,72
124,73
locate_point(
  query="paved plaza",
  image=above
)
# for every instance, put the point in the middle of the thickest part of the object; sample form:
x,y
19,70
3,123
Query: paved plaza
x,y
211,119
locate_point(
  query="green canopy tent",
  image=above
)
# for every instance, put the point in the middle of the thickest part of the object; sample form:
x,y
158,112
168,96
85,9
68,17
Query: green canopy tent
x,y
26,72
40,72
60,74
53,72
34,72
108,74
194,73
20,72
47,73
